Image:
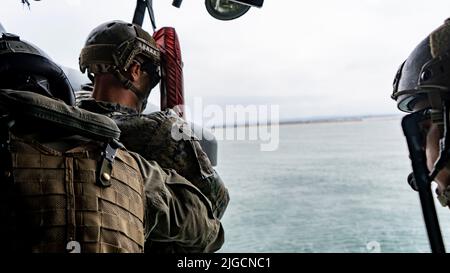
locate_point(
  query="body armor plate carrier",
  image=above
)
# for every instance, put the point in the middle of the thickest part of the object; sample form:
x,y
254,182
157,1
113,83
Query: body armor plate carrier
x,y
90,193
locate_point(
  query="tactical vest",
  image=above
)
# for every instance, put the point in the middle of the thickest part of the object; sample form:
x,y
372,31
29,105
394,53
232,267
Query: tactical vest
x,y
88,198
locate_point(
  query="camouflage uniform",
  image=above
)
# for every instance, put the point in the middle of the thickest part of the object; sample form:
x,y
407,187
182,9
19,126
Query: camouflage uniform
x,y
150,136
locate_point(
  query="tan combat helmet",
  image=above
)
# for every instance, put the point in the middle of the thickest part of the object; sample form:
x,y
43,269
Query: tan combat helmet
x,y
113,46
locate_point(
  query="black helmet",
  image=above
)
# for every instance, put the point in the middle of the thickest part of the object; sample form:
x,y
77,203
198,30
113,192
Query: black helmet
x,y
425,75
113,46
24,66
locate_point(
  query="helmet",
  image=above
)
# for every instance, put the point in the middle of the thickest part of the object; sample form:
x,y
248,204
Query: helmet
x,y
425,75
113,46
23,66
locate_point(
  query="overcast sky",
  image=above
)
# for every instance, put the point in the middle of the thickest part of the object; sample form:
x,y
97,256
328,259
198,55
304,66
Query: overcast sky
x,y
314,58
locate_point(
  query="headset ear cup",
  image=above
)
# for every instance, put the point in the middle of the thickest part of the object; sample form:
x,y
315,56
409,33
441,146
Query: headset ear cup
x,y
33,64
155,80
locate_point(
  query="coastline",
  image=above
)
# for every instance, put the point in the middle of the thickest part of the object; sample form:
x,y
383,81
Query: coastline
x,y
314,121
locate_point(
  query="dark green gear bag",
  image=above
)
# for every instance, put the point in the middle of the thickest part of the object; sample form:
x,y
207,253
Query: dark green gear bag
x,y
35,107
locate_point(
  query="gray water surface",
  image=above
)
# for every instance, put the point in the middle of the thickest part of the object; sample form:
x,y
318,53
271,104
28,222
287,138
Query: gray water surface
x,y
330,187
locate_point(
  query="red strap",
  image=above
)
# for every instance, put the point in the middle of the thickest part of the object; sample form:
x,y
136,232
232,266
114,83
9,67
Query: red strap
x,y
172,85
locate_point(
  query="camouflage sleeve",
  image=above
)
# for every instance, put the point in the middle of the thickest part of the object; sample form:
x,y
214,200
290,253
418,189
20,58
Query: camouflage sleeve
x,y
179,218
181,153
207,179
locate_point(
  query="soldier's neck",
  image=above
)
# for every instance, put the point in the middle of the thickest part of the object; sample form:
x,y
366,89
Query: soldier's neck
x,y
108,88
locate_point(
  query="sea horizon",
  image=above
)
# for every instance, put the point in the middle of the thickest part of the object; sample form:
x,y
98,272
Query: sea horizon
x,y
311,120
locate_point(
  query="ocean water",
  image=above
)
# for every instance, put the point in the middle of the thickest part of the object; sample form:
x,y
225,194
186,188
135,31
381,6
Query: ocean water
x,y
330,187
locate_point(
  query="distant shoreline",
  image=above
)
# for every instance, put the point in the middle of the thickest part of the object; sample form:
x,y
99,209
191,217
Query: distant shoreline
x,y
314,121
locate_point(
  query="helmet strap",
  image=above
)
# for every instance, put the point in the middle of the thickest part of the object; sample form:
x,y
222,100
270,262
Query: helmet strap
x,y
435,100
130,86
437,104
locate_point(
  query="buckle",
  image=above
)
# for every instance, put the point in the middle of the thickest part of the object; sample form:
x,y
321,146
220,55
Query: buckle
x,y
106,165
